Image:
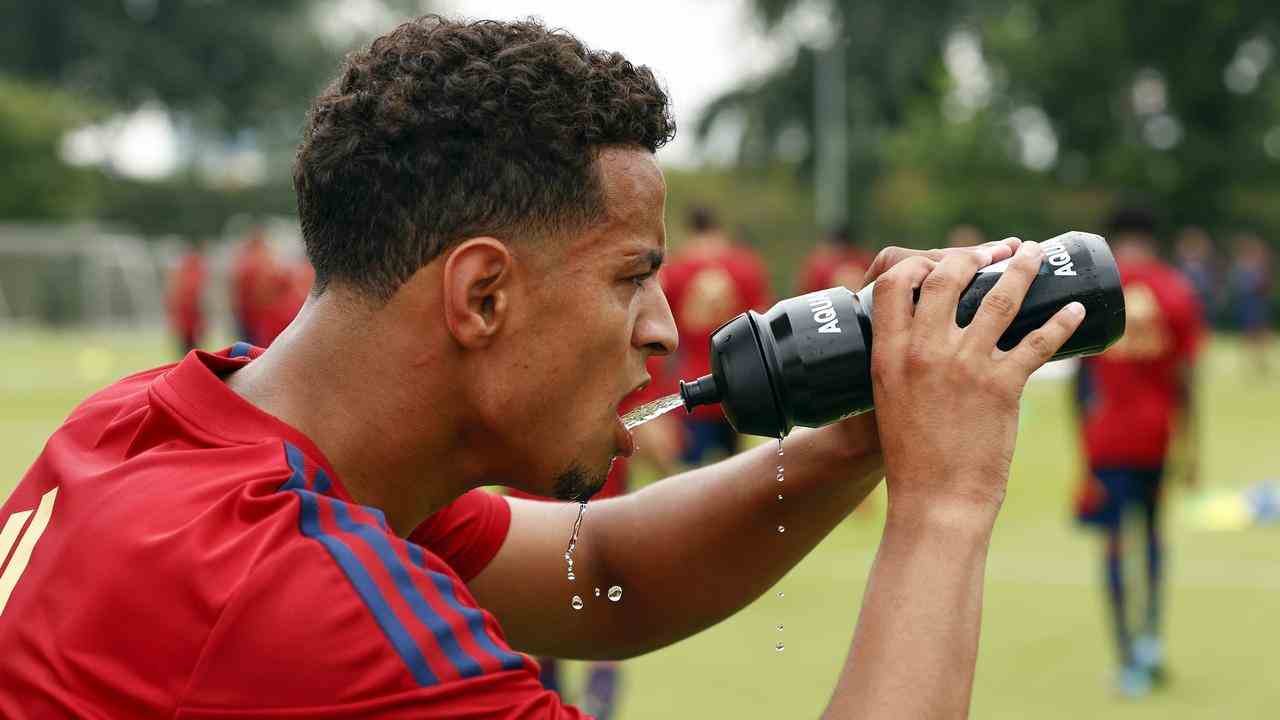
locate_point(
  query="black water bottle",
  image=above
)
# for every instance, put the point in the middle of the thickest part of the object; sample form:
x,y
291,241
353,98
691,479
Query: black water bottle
x,y
807,361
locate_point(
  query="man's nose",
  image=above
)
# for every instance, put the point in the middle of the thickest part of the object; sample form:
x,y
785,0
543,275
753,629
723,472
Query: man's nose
x,y
656,327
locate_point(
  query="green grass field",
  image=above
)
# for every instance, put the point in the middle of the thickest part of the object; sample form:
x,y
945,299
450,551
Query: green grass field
x,y
1044,648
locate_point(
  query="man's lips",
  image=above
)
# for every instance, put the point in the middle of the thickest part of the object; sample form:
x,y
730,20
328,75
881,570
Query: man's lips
x,y
622,436
625,442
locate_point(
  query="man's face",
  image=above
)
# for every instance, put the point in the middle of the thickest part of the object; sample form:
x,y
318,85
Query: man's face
x,y
586,315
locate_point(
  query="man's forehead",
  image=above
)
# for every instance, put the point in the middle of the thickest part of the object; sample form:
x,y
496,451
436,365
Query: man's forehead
x,y
631,180
635,196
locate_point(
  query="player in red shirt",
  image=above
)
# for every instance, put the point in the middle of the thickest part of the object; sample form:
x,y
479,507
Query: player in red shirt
x,y
185,298
251,270
709,281
283,291
296,533
837,261
1134,400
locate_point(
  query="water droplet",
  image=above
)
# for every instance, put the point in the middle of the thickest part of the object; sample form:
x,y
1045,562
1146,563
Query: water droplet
x,y
779,628
597,592
781,529
779,497
779,647
779,478
615,593
780,470
573,538
781,594
576,603
572,577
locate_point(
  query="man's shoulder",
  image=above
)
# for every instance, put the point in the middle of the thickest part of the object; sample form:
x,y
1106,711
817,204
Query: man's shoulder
x,y
351,614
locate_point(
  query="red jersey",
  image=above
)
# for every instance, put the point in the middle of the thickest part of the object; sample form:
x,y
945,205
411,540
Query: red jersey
x,y
178,553
831,266
186,290
1133,391
706,288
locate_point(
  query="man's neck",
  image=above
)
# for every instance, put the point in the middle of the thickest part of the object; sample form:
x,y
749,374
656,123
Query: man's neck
x,y
335,379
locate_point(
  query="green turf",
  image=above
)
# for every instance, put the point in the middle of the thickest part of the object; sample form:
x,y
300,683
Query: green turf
x,y
1044,650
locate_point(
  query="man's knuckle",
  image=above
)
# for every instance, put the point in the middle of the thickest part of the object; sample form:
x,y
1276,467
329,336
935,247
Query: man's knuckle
x,y
1040,344
888,256
1000,303
918,356
938,281
887,283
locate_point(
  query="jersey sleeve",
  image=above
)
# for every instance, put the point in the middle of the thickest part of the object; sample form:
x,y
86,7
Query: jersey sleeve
x,y
351,622
467,533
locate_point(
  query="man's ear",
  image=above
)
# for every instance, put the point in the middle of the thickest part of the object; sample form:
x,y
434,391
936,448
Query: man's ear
x,y
477,288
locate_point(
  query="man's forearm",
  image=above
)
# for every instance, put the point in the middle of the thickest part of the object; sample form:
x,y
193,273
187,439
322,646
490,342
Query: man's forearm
x,y
714,532
916,643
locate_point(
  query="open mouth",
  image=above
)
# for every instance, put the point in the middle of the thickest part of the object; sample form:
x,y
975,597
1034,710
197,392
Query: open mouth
x,y
624,441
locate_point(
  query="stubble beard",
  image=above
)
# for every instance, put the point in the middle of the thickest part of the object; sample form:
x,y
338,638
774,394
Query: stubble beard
x,y
578,483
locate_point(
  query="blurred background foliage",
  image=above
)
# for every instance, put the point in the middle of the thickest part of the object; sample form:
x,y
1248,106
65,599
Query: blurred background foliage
x,y
1028,116
1019,116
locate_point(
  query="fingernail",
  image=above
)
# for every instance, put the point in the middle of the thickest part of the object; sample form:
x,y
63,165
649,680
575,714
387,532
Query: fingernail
x,y
1030,246
1076,309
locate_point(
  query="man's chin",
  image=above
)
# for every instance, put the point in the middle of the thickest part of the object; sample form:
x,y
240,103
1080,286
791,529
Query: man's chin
x,y
579,483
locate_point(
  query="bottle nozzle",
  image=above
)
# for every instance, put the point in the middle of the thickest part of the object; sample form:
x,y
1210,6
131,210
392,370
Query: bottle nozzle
x,y
702,391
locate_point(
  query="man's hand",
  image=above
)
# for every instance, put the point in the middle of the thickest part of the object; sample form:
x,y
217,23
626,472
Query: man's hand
x,y
947,397
856,436
947,414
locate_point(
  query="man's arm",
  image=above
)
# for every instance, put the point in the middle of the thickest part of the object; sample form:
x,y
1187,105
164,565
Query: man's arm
x,y
947,405
688,551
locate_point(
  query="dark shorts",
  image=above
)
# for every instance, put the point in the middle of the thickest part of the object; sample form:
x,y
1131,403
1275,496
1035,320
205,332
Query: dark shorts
x,y
1110,492
706,437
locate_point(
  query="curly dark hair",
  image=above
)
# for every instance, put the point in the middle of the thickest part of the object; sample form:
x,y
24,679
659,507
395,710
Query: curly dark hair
x,y
443,130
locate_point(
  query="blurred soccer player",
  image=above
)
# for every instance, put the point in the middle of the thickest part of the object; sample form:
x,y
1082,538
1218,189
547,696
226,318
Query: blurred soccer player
x,y
1194,257
710,280
185,297
1134,400
837,260
250,271
1250,291
282,291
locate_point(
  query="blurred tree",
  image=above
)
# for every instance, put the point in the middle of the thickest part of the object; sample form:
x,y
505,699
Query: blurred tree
x,y
35,184
231,73
1170,98
891,53
1022,115
233,63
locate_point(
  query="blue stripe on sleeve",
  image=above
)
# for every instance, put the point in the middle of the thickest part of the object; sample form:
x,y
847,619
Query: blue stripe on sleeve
x,y
439,627
473,616
309,523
